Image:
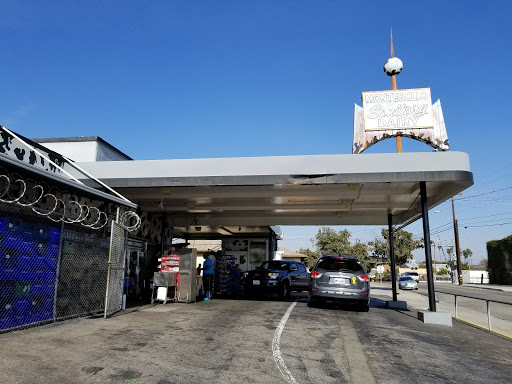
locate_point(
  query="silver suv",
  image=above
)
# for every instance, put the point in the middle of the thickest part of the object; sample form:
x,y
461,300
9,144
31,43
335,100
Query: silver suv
x,y
341,279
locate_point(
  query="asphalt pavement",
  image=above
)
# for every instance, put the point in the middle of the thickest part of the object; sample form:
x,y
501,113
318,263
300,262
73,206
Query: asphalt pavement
x,y
255,341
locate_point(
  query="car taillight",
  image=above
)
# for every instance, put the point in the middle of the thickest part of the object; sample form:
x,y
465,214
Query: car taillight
x,y
315,275
364,278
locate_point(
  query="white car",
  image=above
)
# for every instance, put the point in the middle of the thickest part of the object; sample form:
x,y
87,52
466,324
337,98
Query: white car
x,y
407,282
414,275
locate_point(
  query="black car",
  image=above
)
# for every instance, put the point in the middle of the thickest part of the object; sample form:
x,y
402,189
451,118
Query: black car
x,y
339,278
281,276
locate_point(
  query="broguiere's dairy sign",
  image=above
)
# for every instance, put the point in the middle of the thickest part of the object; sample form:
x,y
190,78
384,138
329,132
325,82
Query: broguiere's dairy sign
x,y
397,110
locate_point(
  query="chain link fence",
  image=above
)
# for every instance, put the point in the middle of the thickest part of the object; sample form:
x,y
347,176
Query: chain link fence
x,y
54,254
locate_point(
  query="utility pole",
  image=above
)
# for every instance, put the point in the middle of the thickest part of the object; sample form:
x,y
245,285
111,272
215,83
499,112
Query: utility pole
x,y
457,246
394,88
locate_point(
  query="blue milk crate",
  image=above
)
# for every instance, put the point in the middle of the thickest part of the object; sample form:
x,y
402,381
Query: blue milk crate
x,y
6,322
7,289
26,261
39,261
50,277
2,223
41,231
45,289
41,247
40,304
14,225
9,258
45,262
21,305
39,317
27,246
37,276
8,273
24,275
20,320
51,263
7,306
12,241
54,235
53,250
27,231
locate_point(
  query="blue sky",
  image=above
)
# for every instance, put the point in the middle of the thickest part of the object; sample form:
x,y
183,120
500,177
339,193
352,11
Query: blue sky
x,y
191,79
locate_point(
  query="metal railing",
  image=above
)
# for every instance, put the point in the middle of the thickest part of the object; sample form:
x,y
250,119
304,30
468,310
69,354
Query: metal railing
x,y
488,304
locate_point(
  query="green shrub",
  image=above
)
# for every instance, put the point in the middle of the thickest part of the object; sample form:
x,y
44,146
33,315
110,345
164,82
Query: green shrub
x,y
499,256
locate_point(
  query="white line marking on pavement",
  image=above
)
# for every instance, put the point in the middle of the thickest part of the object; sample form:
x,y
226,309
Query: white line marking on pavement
x,y
276,350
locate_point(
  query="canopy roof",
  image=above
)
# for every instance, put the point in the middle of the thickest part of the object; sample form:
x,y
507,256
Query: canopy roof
x,y
227,195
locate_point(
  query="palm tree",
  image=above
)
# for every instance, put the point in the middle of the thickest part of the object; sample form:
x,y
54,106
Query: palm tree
x,y
467,253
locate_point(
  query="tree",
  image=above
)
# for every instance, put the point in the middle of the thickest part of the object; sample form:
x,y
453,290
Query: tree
x,y
404,244
361,250
327,241
422,265
467,253
311,258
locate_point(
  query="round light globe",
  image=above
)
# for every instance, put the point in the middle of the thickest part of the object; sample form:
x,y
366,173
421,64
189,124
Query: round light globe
x,y
393,66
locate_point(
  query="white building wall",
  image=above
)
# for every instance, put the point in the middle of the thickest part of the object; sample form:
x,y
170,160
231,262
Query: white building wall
x,y
83,151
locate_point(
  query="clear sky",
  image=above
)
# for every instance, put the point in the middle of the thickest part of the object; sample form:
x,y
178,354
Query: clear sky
x,y
190,79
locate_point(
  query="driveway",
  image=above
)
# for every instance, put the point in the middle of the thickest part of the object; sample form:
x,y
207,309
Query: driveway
x,y
254,341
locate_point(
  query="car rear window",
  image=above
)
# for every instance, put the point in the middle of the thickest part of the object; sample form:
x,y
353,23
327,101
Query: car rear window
x,y
339,264
275,265
412,273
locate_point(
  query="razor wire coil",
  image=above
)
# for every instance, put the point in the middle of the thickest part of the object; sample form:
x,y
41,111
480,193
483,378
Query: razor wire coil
x,y
45,202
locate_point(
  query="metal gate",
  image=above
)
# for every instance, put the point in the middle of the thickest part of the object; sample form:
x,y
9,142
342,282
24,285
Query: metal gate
x,y
116,266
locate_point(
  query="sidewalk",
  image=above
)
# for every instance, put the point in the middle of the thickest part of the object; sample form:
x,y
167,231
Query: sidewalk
x,y
469,311
505,288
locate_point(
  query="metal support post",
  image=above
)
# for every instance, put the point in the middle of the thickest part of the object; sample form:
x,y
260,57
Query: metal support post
x,y
392,255
489,314
428,254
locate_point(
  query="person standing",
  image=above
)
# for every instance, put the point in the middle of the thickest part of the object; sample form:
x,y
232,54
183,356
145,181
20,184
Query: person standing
x,y
207,275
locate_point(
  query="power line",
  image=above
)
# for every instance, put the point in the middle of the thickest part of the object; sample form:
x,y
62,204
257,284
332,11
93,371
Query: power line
x,y
481,194
486,225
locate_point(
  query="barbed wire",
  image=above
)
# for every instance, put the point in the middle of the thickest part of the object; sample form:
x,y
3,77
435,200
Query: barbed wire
x,y
58,206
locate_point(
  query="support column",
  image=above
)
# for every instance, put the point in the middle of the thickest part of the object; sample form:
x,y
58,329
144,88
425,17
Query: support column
x,y
428,253
392,255
162,235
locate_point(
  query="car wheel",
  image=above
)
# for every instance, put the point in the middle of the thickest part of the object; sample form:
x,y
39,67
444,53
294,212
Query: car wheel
x,y
284,290
313,302
364,306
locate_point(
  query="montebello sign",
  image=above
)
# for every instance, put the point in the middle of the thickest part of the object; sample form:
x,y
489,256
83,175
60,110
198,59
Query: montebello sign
x,y
397,110
406,113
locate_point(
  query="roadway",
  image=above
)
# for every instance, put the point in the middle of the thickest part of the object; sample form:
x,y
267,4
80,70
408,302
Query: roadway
x,y
255,341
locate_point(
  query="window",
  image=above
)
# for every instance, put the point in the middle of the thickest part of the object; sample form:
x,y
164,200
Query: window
x,y
335,264
302,268
275,265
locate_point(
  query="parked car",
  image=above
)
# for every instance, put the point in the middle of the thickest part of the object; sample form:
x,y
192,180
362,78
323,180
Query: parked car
x,y
407,282
414,275
341,279
281,276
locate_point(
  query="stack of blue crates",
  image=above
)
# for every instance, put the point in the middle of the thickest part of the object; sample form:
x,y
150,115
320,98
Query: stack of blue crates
x,y
224,264
28,263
